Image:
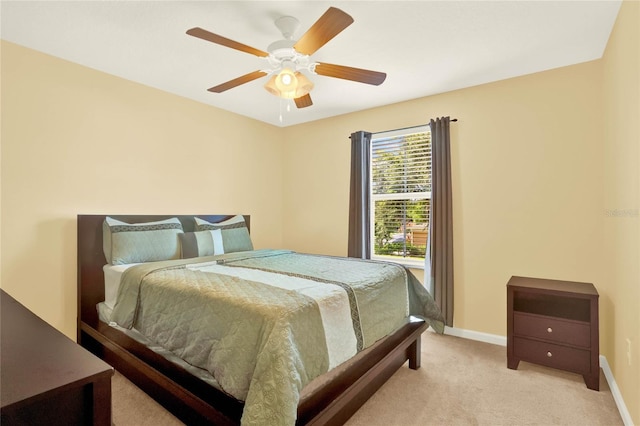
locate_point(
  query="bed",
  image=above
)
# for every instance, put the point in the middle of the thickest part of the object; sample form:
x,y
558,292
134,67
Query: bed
x,y
188,392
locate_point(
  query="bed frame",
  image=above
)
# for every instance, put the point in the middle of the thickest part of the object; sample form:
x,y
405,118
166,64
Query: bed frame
x,y
194,401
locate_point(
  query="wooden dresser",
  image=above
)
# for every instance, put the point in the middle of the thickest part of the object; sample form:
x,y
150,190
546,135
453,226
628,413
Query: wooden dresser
x,y
554,323
45,377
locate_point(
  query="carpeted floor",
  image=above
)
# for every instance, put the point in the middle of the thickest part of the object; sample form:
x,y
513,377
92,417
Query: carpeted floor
x,y
461,382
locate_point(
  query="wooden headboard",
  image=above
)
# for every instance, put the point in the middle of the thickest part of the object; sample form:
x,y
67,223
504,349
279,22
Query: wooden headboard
x,y
91,257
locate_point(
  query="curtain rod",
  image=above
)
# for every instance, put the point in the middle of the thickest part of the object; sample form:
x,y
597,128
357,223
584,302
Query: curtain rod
x,y
407,128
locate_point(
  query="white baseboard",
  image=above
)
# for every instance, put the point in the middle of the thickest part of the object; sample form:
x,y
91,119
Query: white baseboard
x,y
617,396
502,341
476,335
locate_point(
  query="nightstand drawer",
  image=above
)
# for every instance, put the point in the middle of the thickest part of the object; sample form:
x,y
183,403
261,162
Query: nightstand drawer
x,y
552,329
552,355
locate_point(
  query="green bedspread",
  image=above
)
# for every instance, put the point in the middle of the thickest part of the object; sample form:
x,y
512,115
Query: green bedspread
x,y
265,323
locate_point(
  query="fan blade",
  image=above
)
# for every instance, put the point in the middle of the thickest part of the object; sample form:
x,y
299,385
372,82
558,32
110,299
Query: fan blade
x,y
303,101
327,27
355,74
215,38
237,81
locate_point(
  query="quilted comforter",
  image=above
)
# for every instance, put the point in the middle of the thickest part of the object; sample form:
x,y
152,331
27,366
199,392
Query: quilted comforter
x,y
265,323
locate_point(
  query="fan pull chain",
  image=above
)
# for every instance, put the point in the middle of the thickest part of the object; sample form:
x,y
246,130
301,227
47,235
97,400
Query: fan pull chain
x,y
288,108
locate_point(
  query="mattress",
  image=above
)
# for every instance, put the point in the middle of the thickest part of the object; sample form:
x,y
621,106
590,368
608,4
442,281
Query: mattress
x,y
112,275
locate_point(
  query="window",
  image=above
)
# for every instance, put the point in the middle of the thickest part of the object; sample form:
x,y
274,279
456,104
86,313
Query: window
x,y
400,194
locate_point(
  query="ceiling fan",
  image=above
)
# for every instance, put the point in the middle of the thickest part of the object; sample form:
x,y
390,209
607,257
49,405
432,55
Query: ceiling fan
x,y
287,58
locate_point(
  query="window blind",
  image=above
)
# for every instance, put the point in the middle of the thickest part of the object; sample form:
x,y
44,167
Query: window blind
x,y
401,192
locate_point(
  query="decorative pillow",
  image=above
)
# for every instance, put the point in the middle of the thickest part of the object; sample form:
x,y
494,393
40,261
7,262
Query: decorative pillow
x,y
201,243
235,234
125,243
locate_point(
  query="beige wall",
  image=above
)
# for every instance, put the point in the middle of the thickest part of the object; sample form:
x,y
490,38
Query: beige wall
x,y
621,158
77,141
527,183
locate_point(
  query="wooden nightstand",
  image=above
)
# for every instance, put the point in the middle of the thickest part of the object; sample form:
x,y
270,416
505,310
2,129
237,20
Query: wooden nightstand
x,y
554,323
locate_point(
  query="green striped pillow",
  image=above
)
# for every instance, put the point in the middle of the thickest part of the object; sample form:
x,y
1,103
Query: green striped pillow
x,y
235,234
125,243
201,243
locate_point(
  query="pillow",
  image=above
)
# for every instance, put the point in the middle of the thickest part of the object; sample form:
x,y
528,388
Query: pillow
x,y
235,234
125,243
201,243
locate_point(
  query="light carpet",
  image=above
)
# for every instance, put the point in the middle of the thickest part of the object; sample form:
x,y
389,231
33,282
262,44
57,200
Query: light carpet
x,y
461,382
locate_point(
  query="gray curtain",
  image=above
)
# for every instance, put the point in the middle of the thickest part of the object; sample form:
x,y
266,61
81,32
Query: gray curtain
x,y
438,268
359,223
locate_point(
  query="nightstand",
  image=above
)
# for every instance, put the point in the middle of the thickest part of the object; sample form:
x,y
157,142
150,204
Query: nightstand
x,y
554,323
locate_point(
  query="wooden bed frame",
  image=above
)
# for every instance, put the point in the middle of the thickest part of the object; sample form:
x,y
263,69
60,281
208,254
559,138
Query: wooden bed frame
x,y
194,401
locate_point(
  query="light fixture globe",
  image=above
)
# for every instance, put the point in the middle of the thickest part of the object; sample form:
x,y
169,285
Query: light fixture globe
x,y
289,85
286,81
270,86
304,85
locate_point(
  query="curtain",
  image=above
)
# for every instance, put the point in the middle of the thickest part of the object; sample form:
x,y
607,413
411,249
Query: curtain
x,y
359,205
438,270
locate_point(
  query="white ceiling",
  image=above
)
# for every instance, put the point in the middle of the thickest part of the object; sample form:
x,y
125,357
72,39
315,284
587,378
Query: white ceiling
x,y
425,47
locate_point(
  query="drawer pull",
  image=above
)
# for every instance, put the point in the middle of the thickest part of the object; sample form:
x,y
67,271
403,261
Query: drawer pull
x,y
549,354
549,330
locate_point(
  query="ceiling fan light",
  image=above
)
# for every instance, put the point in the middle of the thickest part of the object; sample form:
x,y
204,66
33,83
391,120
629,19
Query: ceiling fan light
x,y
286,80
271,87
288,85
304,85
